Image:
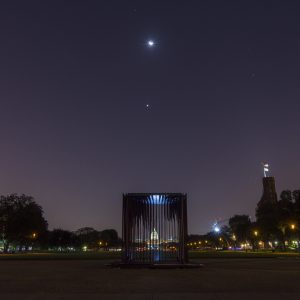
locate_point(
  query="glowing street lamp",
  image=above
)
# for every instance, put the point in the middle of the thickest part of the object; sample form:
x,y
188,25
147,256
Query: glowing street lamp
x,y
293,226
255,233
216,228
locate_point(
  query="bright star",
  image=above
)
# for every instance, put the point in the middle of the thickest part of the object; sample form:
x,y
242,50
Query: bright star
x,y
150,43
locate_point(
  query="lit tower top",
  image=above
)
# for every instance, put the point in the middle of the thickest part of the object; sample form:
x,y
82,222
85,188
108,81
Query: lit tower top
x,y
266,168
269,189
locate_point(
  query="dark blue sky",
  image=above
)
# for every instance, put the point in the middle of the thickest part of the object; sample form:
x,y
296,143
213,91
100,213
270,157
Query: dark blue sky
x,y
223,87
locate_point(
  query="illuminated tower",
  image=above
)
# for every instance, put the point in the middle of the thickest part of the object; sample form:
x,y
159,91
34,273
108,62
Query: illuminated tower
x,y
269,189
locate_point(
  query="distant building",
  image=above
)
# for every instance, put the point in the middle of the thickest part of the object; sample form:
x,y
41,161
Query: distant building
x,y
269,195
267,206
269,191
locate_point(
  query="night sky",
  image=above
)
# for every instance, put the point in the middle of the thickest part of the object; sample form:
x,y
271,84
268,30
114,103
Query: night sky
x,y
89,111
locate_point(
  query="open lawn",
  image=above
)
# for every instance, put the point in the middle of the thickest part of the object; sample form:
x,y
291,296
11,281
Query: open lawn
x,y
241,254
220,278
62,256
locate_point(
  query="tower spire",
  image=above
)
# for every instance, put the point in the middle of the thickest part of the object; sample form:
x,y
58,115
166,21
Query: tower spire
x,y
266,168
269,189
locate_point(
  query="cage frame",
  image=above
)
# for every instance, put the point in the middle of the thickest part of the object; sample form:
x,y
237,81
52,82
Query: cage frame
x,y
141,213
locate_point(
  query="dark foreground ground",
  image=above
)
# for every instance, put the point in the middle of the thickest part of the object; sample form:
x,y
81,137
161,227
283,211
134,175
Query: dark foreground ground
x,y
222,278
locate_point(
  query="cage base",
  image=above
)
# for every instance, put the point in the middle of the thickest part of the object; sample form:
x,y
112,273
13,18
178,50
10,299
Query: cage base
x,y
121,265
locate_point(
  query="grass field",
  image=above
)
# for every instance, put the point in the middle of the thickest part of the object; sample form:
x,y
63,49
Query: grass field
x,y
62,256
117,255
240,254
219,278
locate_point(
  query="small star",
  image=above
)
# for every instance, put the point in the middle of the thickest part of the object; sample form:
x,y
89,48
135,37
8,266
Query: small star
x,y
147,106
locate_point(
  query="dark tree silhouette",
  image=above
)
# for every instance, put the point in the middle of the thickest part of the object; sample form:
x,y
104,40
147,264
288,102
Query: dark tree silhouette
x,y
296,196
21,221
94,239
110,237
240,226
286,213
88,237
286,206
267,216
60,239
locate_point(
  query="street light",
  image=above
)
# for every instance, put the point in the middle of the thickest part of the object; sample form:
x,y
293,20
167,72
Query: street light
x,y
293,226
217,229
255,233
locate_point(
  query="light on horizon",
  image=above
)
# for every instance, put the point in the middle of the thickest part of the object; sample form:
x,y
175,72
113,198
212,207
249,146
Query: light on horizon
x,y
217,228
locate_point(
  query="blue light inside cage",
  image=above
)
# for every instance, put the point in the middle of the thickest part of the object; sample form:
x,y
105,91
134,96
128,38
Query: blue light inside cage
x,y
157,199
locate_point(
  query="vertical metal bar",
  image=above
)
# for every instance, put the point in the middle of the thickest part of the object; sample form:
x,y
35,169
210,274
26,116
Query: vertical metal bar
x,y
179,229
145,205
150,228
164,228
174,224
144,229
124,249
185,231
167,228
139,235
155,247
130,228
151,238
159,234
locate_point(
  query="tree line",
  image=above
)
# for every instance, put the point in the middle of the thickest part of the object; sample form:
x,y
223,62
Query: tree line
x,y
277,226
24,227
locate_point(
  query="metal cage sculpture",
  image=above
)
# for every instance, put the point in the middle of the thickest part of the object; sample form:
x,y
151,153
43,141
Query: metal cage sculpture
x,y
154,228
